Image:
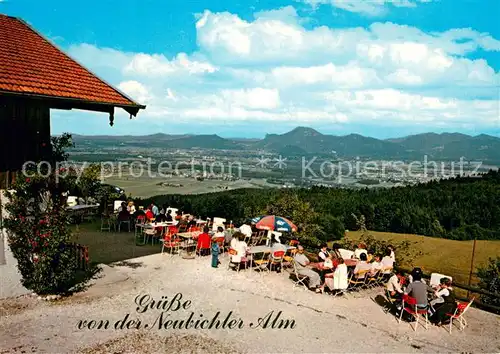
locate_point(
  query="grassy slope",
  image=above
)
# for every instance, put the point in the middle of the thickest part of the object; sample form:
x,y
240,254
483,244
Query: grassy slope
x,y
448,257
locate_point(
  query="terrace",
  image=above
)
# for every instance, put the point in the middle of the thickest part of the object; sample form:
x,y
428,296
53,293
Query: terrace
x,y
355,323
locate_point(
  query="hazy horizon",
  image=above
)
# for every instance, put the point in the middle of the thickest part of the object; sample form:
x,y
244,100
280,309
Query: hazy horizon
x,y
258,135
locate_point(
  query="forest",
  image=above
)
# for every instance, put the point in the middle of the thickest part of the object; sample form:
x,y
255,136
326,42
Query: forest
x,y
461,208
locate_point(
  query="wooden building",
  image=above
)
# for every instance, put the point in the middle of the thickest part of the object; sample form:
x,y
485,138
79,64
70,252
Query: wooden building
x,y
35,77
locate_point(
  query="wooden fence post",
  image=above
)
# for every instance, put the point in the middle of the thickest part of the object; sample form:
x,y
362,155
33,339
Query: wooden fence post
x,y
471,265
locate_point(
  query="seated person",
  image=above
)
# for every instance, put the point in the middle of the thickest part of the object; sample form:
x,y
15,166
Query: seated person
x,y
443,303
124,215
191,221
122,206
161,217
394,286
139,212
276,246
204,240
234,240
340,277
220,233
370,254
335,251
387,262
241,249
301,264
149,215
362,267
418,289
392,254
376,265
168,216
323,253
360,249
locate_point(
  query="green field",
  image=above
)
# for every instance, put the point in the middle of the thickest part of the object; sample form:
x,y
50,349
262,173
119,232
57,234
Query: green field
x,y
443,256
145,187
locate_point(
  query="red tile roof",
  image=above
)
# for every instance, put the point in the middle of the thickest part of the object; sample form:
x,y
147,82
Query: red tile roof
x,y
31,65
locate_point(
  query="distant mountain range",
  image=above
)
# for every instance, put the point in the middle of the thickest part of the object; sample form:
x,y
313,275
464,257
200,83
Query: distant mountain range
x,y
307,141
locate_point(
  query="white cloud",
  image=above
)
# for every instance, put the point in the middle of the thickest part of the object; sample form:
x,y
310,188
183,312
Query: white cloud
x,y
136,90
257,98
286,14
275,69
154,65
365,7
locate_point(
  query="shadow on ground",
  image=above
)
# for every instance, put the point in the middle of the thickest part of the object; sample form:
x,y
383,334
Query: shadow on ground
x,y
112,247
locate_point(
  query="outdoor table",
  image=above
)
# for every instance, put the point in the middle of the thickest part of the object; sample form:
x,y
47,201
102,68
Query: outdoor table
x,y
266,249
78,210
350,262
82,206
189,236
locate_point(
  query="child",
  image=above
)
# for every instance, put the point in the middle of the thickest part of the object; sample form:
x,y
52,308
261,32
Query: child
x,y
215,255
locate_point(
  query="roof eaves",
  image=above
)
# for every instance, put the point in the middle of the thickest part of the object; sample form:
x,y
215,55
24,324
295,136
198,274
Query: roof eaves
x,y
76,61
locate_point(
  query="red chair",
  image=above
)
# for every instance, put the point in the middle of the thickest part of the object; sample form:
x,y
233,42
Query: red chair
x,y
169,242
458,315
410,306
171,230
277,259
141,219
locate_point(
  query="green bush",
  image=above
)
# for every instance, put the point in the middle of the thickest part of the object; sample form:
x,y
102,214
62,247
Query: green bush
x,y
405,251
38,232
490,281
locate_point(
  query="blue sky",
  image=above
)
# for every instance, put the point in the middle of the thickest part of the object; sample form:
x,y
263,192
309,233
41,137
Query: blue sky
x,y
375,67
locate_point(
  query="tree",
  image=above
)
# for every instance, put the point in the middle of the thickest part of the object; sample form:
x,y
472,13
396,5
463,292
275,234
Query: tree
x,y
300,213
332,228
490,281
37,227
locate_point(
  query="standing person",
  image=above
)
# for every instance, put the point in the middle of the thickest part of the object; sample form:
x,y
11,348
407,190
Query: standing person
x,y
302,263
131,207
168,216
154,209
215,255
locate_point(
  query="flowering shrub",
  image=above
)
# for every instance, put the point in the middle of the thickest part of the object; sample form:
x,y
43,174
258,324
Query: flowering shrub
x,y
38,232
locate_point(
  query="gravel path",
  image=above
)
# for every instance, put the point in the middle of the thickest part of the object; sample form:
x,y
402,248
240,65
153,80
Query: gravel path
x,y
322,323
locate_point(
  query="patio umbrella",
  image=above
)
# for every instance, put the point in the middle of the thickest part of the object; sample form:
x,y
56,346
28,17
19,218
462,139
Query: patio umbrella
x,y
275,223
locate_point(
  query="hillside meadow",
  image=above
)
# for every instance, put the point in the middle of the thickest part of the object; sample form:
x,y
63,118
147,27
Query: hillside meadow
x,y
449,257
